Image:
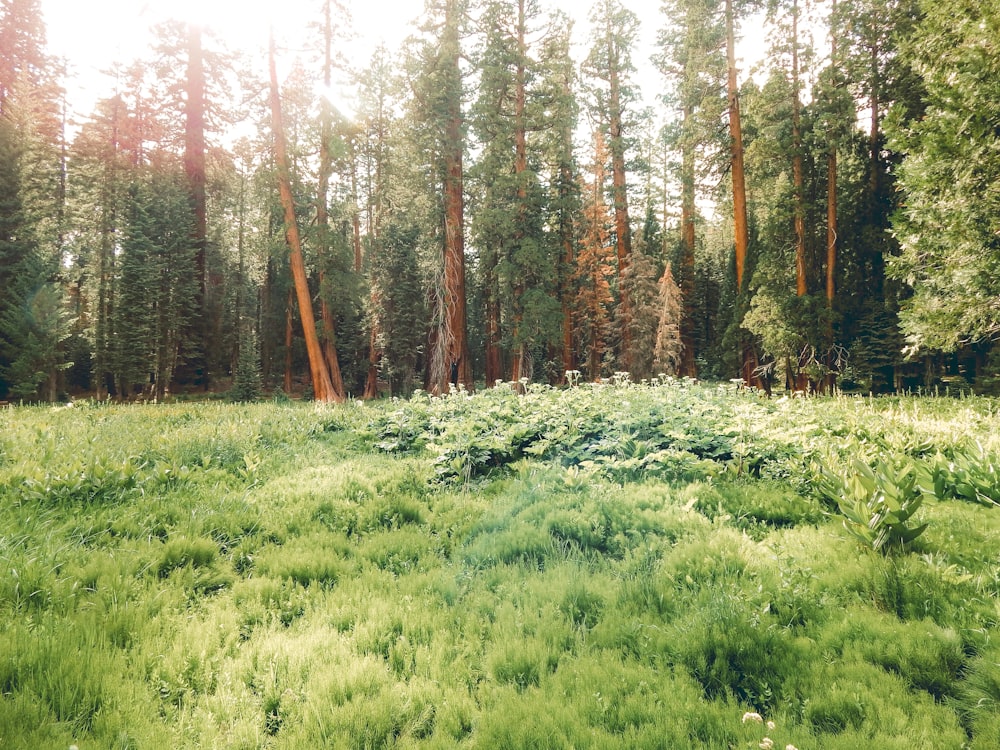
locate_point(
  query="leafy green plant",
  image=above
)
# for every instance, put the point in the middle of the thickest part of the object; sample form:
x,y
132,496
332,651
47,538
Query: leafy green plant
x,y
972,475
878,502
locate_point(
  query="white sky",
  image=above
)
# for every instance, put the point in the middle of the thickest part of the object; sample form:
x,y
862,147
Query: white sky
x,y
94,34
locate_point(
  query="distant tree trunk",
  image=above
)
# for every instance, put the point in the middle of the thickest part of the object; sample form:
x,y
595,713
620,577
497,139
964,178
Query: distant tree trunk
x,y
520,168
623,231
322,214
748,357
323,389
801,282
798,180
289,338
740,225
687,366
194,168
831,219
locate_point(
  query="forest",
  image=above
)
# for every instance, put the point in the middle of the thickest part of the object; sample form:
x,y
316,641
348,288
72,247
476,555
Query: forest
x,y
501,206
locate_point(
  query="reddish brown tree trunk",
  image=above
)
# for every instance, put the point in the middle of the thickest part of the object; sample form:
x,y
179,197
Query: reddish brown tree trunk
x,y
748,356
455,345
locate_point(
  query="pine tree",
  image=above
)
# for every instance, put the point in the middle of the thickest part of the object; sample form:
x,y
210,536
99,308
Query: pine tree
x,y
594,270
609,65
668,351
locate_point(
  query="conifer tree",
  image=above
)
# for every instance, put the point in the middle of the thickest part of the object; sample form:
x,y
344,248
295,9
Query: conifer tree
x,y
668,350
594,270
609,65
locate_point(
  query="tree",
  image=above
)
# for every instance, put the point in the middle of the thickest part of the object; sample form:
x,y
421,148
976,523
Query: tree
x,y
32,204
518,256
323,389
615,30
594,269
558,92
668,350
322,197
103,155
691,58
949,225
438,101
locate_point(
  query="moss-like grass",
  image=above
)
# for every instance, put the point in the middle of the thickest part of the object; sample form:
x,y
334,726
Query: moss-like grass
x,y
264,576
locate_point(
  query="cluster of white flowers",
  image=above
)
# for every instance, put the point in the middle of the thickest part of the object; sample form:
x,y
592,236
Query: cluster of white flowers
x,y
766,743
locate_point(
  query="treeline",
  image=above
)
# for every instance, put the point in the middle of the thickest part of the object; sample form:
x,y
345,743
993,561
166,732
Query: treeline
x,y
495,210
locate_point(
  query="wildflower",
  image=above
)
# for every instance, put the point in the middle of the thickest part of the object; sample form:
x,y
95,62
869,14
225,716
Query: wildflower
x,y
770,725
790,746
751,716
766,744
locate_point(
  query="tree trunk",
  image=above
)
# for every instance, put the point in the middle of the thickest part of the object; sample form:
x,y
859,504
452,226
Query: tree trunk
x,y
323,216
687,323
740,225
801,282
801,285
289,338
456,347
831,221
194,168
748,357
623,232
323,389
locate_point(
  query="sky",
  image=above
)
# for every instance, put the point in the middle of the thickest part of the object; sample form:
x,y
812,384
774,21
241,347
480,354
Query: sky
x,y
93,34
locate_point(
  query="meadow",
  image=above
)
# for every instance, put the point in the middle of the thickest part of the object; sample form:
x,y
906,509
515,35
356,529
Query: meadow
x,y
657,565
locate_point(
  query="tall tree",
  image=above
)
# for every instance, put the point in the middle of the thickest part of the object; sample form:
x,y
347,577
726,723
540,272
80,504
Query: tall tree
x,y
323,389
511,115
437,86
692,59
615,31
594,268
948,227
194,169
332,13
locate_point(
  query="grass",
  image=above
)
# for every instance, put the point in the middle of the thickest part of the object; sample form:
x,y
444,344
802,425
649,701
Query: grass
x,y
543,572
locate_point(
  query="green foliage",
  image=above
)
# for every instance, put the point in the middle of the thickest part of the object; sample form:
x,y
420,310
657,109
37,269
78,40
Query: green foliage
x,y
948,223
259,577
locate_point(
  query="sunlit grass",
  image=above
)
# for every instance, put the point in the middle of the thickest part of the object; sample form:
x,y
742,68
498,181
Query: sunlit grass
x,y
265,576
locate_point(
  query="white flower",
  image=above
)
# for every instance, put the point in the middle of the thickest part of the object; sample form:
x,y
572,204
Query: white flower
x,y
790,746
751,716
766,744
770,725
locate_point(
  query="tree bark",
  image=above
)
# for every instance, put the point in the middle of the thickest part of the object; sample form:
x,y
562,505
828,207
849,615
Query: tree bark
x,y
456,347
748,357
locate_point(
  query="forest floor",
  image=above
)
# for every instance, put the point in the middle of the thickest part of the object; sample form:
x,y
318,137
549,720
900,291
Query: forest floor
x,y
664,565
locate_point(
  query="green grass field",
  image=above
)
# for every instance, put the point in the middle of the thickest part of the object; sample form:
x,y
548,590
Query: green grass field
x,y
630,566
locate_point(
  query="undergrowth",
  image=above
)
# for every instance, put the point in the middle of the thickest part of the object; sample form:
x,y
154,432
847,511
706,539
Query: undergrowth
x,y
637,566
